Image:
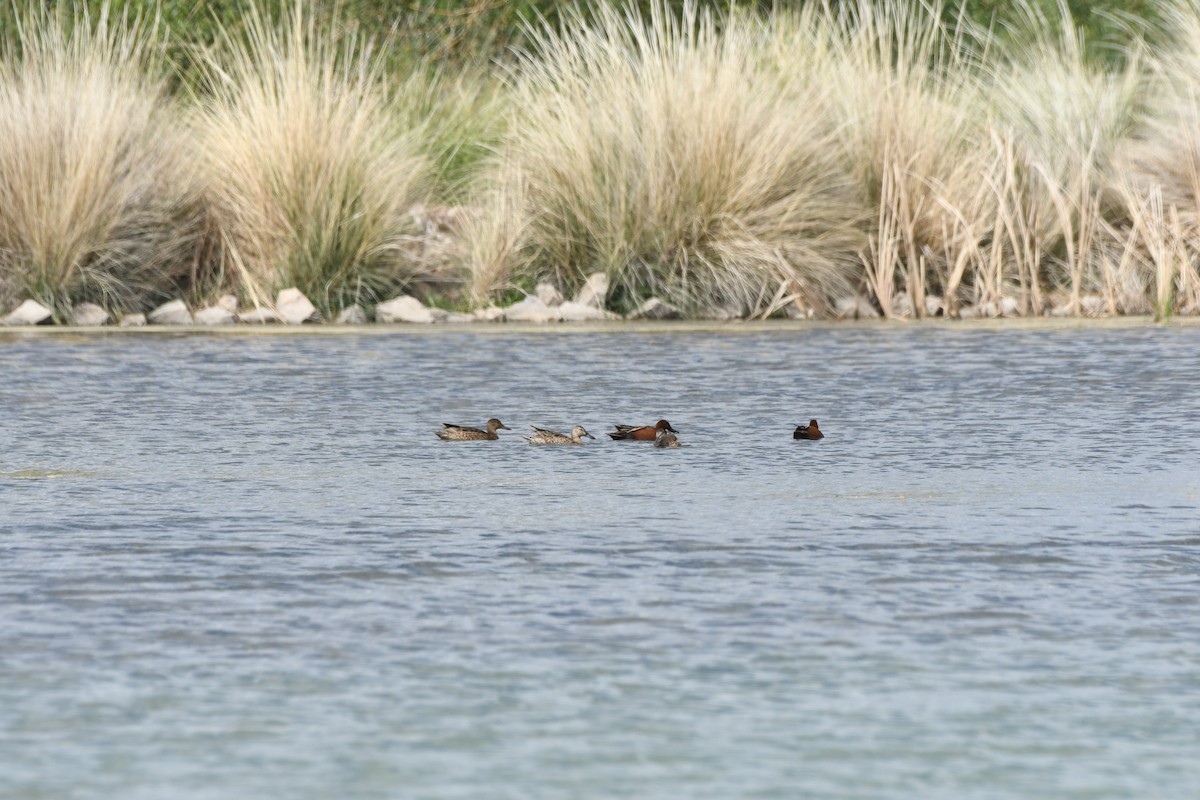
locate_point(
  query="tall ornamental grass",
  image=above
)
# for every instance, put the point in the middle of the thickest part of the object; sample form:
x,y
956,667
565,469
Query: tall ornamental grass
x,y
660,151
98,201
311,175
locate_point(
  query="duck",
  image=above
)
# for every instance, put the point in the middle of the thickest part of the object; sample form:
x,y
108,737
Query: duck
x,y
666,439
641,433
461,433
809,431
544,436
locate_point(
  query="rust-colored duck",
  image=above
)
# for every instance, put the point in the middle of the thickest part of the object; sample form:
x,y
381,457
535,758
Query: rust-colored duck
x,y
809,431
641,433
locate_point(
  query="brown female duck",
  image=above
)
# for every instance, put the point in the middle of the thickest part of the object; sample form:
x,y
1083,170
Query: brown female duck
x,y
544,436
666,439
461,433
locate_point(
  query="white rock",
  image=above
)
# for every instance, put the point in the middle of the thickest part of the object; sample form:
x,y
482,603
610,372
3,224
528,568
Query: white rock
x,y
854,307
228,302
31,312
934,305
548,294
172,313
594,292
655,309
454,318
577,312
797,310
531,309
214,315
1009,307
902,305
404,308
133,321
968,312
258,316
725,314
351,315
294,308
489,314
88,314
1093,305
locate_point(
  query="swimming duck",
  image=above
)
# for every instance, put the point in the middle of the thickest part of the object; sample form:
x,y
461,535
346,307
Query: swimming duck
x,y
641,433
809,431
461,433
666,439
544,436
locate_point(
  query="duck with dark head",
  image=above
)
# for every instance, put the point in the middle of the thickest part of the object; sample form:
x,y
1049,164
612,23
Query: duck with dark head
x,y
641,433
809,431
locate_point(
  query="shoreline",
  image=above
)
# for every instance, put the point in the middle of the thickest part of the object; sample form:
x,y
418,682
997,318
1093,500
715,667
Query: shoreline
x,y
15,333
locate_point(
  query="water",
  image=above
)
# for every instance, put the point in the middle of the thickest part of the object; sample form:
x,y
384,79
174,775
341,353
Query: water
x,y
245,567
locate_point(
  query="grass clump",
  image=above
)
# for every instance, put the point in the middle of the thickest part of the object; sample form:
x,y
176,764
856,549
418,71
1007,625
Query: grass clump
x,y
1066,119
97,198
1160,184
655,149
310,175
905,94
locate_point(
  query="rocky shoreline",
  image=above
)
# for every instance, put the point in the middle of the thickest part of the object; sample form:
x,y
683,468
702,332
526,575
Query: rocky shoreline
x,y
544,305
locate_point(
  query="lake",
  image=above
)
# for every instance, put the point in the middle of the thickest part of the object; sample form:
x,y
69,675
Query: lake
x,y
243,565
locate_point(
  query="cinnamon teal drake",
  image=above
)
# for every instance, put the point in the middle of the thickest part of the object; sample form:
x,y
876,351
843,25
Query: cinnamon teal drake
x,y
461,433
641,433
666,439
544,436
809,431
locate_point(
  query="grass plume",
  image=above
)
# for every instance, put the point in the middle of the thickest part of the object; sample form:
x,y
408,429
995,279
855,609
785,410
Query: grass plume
x,y
311,175
660,152
97,198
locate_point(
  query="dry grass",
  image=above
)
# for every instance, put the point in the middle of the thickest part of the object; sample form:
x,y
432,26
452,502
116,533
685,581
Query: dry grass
x,y
311,175
906,97
97,200
731,166
1161,169
664,155
1067,119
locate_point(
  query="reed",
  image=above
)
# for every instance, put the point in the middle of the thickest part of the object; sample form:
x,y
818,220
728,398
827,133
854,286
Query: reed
x,y
905,96
1161,165
1068,118
311,175
97,198
661,152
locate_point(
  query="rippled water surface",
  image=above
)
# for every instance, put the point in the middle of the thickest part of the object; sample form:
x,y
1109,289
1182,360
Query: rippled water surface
x,y
245,567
